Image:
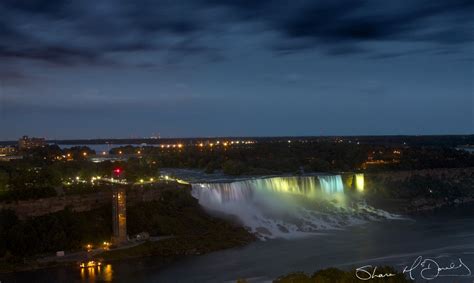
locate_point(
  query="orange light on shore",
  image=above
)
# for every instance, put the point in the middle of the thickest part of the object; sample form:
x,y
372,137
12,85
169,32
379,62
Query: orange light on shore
x,y
89,247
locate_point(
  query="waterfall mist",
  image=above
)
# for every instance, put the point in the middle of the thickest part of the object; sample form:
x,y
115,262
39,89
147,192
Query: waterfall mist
x,y
287,207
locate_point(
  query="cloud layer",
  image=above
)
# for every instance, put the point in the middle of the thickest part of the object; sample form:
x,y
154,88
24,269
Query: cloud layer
x,y
72,32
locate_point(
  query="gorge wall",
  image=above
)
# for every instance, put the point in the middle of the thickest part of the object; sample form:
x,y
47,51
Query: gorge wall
x,y
84,202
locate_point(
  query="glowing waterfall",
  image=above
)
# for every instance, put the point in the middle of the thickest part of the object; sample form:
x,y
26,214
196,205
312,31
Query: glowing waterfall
x,y
286,207
359,182
331,184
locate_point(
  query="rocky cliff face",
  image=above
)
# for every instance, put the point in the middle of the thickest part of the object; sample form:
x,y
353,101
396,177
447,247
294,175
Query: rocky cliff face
x,y
421,190
85,202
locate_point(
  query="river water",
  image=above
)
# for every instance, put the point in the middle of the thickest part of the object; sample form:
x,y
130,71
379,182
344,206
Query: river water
x,y
396,242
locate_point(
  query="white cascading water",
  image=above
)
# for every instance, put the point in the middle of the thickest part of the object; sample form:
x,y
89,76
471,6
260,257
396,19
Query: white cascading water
x,y
287,207
331,184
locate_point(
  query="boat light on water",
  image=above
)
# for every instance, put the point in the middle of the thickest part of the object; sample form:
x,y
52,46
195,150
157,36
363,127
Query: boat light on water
x,y
90,263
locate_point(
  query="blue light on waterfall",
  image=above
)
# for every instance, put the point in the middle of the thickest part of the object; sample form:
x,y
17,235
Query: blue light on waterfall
x,y
331,184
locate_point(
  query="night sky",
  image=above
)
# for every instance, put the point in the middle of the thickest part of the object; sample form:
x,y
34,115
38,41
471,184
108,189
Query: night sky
x,y
117,68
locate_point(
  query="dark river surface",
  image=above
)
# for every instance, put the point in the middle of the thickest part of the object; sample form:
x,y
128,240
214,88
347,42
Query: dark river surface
x,y
395,242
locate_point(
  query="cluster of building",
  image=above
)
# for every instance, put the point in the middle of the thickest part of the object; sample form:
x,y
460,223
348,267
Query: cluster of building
x,y
7,151
25,143
10,152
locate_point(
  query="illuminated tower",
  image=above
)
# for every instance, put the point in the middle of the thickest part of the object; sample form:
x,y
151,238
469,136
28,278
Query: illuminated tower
x,y
119,213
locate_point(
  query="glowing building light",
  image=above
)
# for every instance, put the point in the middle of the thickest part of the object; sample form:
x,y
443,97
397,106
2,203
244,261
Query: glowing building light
x,y
360,182
180,145
84,153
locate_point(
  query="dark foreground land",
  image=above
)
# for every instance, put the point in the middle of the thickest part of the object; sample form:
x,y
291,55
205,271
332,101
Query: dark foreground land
x,y
176,216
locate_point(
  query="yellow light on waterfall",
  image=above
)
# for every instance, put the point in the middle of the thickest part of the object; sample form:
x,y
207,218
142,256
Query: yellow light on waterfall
x,y
360,182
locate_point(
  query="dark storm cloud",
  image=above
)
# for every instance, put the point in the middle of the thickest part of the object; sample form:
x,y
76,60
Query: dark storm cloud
x,y
326,23
68,32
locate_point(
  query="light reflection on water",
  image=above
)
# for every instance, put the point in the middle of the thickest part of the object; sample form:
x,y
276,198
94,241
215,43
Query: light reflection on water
x,y
94,274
